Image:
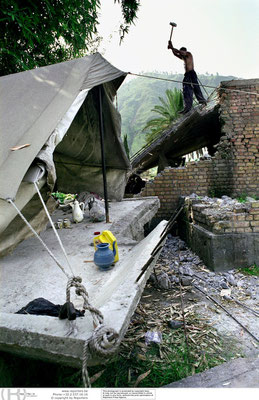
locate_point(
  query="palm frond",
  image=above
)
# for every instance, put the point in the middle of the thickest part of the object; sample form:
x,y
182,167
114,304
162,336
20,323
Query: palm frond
x,y
168,111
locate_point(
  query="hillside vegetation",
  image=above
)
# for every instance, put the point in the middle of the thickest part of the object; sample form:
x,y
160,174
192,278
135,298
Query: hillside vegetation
x,y
138,96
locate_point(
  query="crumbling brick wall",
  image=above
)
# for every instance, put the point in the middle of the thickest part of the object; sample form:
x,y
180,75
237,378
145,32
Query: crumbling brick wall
x,y
239,112
240,218
233,170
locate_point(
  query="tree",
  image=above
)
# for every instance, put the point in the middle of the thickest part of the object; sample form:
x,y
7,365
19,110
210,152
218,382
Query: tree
x,y
168,111
38,33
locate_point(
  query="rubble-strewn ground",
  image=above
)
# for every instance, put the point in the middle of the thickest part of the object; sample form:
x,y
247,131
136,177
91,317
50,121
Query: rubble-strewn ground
x,y
235,291
210,337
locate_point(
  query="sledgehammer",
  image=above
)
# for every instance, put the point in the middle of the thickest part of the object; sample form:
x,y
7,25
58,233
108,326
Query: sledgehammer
x,y
173,25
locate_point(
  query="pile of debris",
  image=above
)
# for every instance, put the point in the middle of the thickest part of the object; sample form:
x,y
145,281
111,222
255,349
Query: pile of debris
x,y
231,295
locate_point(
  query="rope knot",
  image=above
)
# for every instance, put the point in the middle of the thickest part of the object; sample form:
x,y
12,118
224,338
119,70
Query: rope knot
x,y
80,291
76,281
104,341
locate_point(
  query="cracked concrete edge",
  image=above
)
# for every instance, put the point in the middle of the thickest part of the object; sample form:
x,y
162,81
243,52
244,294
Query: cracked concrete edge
x,y
133,227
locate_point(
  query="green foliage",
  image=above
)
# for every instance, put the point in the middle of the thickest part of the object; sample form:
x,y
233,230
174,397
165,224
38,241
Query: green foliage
x,y
35,34
149,174
129,12
38,33
168,111
252,270
63,198
243,197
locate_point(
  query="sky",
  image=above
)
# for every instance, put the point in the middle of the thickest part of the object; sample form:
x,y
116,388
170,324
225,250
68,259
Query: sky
x,y
222,35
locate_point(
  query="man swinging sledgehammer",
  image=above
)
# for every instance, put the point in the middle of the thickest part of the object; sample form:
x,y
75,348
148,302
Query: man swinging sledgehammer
x,y
190,80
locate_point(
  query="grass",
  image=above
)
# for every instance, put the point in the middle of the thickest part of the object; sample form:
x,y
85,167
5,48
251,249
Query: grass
x,y
252,270
161,366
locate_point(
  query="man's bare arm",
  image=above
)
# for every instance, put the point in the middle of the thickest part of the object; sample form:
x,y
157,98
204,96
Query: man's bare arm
x,y
176,52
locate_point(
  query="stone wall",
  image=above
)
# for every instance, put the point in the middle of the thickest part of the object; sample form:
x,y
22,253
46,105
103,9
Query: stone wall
x,y
233,170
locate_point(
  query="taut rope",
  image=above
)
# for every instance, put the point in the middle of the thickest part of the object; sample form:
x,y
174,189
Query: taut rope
x,y
104,341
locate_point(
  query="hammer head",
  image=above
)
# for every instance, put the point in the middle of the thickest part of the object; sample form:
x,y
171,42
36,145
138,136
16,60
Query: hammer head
x,y
173,24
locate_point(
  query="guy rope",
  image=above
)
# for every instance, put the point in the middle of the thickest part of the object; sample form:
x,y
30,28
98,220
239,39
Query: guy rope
x,y
104,341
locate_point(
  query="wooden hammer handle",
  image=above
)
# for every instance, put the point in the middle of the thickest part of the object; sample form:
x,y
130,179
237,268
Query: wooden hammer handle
x,y
171,33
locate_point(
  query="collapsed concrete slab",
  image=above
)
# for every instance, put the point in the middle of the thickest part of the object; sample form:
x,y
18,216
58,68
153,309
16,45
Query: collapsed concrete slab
x,y
30,273
190,132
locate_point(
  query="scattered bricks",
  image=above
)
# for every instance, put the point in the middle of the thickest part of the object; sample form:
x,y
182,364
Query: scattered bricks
x,y
255,204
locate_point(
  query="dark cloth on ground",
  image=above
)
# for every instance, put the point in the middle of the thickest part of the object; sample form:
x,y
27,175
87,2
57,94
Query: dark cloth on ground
x,y
41,306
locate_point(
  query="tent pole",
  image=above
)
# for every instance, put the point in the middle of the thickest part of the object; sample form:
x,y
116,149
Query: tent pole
x,y
103,156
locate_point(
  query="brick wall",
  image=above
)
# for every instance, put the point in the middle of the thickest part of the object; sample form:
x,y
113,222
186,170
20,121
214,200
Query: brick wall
x,y
234,168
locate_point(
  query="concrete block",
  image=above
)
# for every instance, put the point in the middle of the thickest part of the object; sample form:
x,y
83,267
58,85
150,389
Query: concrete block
x,y
223,251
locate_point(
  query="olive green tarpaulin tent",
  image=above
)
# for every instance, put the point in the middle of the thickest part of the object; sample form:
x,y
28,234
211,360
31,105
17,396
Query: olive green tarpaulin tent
x,y
51,115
